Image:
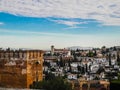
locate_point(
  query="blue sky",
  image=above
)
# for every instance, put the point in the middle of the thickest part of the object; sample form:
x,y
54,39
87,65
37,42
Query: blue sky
x,y
39,24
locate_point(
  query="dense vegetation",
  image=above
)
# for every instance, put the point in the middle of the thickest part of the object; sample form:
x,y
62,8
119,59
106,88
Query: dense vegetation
x,y
52,83
115,84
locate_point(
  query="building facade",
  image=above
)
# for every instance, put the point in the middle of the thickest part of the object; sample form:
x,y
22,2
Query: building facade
x,y
20,68
63,52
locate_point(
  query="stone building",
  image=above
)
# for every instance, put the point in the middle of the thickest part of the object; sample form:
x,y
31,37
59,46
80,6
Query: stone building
x,y
63,52
19,68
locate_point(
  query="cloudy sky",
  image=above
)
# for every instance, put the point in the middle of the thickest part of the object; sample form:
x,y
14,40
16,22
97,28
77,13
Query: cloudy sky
x,y
63,23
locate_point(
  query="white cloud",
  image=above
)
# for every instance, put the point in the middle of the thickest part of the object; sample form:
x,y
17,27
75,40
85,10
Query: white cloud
x,y
74,27
70,23
106,12
1,23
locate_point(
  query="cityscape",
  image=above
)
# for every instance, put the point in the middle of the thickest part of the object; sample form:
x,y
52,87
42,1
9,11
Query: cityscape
x,y
82,68
59,44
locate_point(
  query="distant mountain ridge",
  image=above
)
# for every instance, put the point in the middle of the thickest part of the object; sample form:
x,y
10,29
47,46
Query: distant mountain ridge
x,y
79,47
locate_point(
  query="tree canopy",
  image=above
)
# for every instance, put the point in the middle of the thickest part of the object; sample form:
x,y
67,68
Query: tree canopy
x,y
57,83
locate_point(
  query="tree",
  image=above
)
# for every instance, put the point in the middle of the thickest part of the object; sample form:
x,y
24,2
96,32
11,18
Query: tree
x,y
79,68
69,62
55,84
86,68
45,63
82,70
90,54
75,57
100,70
49,76
95,53
109,59
62,63
103,50
53,69
96,78
114,48
118,58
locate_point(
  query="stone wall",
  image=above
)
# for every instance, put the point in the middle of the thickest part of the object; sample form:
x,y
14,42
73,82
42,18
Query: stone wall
x,y
12,76
21,69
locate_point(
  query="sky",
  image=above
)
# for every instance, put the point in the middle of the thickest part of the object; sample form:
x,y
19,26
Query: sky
x,y
38,24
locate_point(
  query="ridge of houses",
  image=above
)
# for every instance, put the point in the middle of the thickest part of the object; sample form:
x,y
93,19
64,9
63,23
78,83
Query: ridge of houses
x,y
28,66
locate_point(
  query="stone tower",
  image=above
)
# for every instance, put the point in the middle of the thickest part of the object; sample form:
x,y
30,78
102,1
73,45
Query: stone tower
x,y
52,50
19,68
